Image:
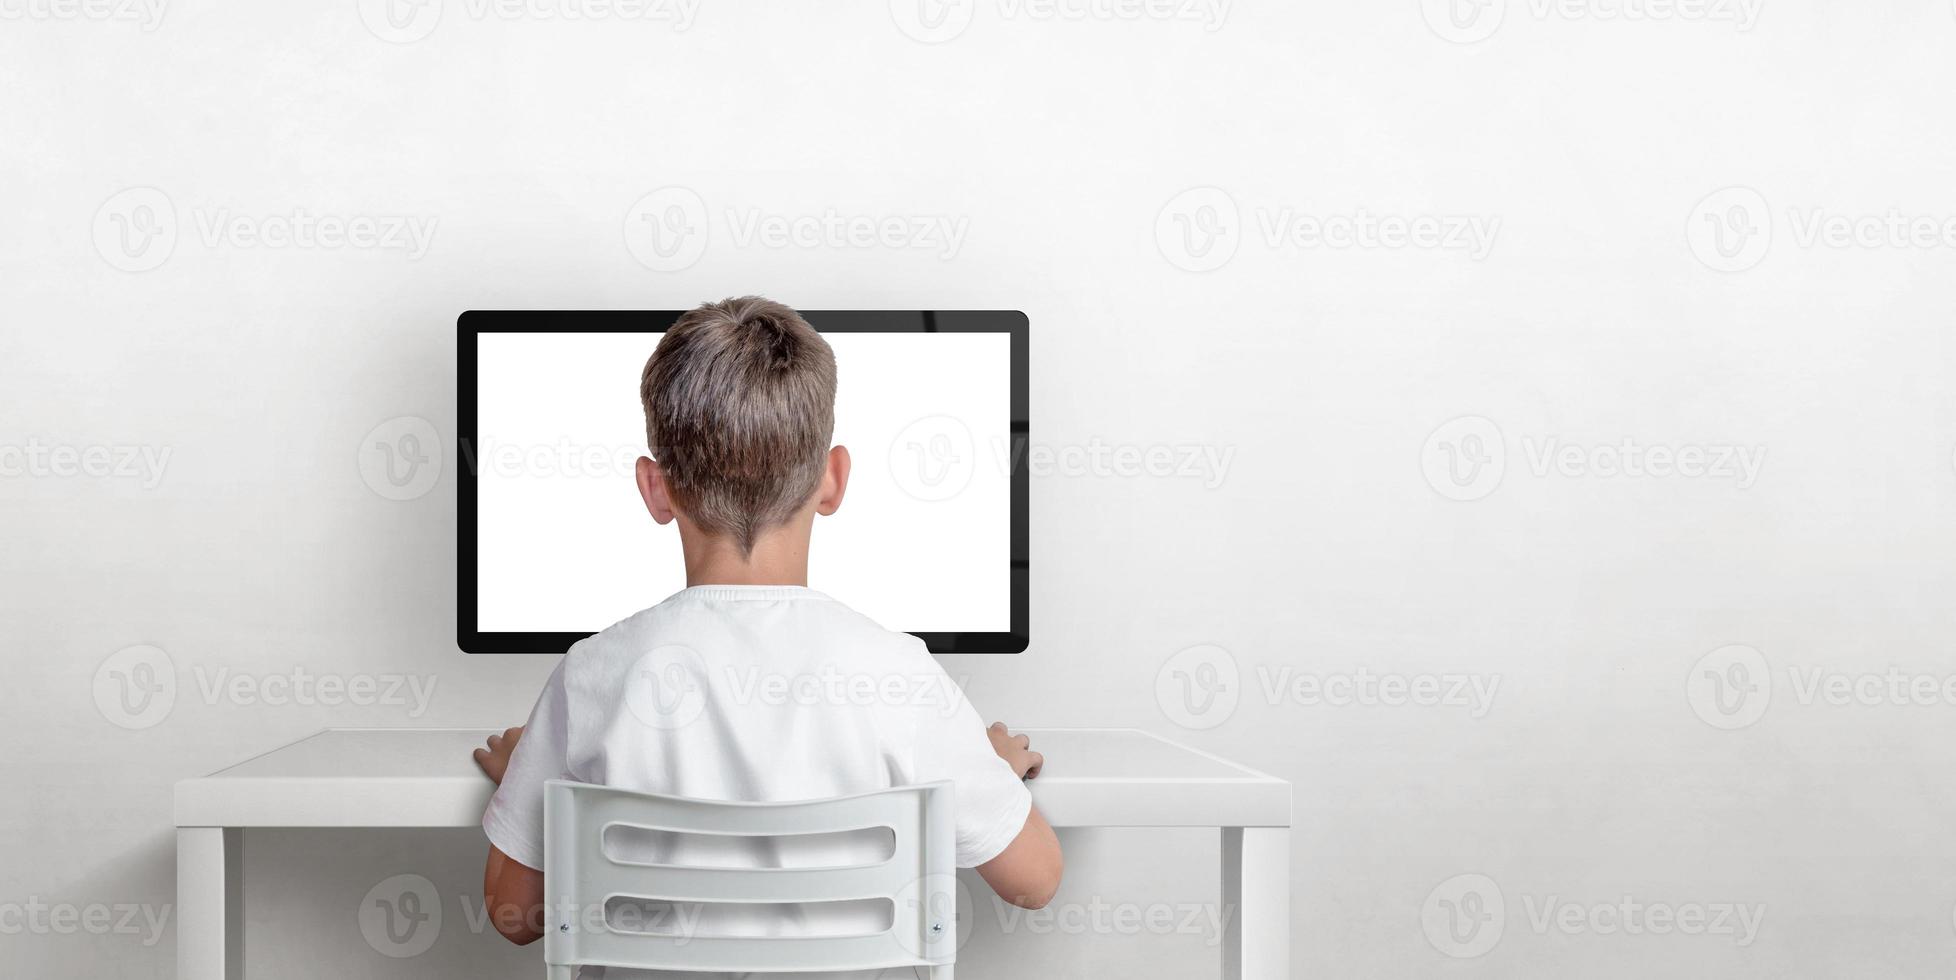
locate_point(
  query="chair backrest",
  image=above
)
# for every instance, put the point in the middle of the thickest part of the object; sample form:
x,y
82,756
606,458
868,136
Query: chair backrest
x,y
583,882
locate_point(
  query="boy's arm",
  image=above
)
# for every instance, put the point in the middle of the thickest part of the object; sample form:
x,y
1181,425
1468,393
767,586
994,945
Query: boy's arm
x,y
1028,871
511,893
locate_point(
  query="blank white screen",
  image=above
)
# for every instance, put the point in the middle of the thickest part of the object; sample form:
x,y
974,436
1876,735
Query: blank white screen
x,y
922,542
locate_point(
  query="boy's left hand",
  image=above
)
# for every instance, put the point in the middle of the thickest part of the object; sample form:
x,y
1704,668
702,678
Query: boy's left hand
x,y
1016,750
494,760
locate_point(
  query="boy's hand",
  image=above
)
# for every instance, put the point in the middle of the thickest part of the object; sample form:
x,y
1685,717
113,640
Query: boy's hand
x,y
1016,750
494,760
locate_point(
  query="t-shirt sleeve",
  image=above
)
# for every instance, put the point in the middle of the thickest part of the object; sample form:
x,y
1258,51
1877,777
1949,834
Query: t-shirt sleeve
x,y
992,803
514,819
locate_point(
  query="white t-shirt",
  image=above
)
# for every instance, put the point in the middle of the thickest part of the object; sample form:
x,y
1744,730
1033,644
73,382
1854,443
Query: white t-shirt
x,y
756,694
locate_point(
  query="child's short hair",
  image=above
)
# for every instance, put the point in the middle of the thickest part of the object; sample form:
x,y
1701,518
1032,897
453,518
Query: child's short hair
x,y
739,410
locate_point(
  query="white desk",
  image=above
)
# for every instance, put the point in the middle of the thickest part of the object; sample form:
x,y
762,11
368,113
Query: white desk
x,y
426,778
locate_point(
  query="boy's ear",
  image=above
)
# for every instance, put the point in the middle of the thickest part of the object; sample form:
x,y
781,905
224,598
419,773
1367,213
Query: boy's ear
x,y
652,487
835,482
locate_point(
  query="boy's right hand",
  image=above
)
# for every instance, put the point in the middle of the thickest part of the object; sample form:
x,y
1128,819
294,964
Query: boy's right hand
x,y
1016,750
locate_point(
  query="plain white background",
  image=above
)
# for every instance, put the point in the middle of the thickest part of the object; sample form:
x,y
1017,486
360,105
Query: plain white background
x,y
1626,300
922,541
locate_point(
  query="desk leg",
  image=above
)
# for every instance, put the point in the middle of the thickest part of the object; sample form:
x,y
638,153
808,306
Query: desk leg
x,y
210,912
1256,897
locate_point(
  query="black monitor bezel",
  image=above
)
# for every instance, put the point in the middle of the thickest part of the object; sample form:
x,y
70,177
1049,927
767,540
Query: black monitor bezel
x,y
473,323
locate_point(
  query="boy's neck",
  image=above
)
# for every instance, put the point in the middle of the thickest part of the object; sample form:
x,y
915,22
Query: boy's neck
x,y
779,557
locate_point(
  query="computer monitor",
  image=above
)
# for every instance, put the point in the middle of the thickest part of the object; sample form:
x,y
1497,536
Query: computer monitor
x,y
554,543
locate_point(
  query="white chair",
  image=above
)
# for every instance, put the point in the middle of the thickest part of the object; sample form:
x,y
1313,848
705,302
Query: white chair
x,y
581,882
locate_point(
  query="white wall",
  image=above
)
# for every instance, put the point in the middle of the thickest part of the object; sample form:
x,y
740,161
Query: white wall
x,y
1323,549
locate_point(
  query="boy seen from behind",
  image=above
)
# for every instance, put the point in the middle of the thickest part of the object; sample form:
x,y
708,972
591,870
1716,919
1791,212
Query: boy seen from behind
x,y
739,406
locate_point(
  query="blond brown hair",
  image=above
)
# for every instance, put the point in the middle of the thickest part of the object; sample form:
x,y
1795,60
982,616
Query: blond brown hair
x,y
739,409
